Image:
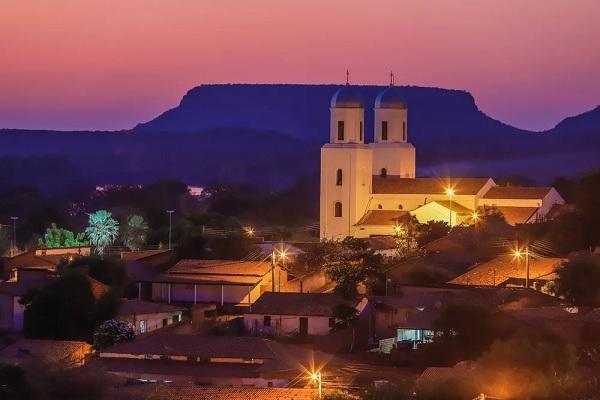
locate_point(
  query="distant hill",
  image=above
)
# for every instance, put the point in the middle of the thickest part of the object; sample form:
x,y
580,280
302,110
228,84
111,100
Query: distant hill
x,y
271,134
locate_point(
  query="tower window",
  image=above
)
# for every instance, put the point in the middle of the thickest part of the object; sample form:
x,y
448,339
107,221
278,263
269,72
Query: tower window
x,y
399,206
404,131
380,207
338,177
384,130
383,172
337,209
340,130
360,132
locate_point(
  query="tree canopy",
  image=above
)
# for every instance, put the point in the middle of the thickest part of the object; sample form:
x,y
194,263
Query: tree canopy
x,y
579,280
59,237
102,230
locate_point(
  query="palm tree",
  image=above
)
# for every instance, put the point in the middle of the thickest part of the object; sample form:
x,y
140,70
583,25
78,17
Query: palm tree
x,y
135,232
102,230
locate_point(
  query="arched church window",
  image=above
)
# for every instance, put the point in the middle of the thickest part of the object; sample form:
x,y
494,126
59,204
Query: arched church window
x,y
337,209
340,130
383,172
380,207
384,130
399,206
338,177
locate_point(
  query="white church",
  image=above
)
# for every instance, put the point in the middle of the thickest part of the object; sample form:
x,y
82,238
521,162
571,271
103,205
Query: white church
x,y
367,189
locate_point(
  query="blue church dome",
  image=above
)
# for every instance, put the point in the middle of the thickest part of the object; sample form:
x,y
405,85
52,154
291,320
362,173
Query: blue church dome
x,y
347,97
390,98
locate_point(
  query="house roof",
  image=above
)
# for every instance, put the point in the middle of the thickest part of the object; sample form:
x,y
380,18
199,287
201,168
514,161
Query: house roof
x,y
136,307
461,186
452,205
500,269
517,192
517,215
220,267
382,217
32,261
170,344
463,369
60,351
169,392
304,304
141,254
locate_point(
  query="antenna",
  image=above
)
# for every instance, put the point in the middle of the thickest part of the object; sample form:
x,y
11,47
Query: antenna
x,y
347,77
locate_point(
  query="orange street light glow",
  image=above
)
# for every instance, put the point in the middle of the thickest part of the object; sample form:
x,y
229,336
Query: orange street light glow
x,y
450,191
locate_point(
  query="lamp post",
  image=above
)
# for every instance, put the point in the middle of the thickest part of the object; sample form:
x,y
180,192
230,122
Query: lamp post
x,y
518,253
450,193
316,377
13,248
170,212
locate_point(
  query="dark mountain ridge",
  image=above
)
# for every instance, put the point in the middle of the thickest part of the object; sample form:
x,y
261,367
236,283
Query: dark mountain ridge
x,y
271,134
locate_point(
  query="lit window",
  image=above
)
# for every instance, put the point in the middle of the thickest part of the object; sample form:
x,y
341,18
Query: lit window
x,y
143,326
337,212
340,131
383,172
384,130
338,177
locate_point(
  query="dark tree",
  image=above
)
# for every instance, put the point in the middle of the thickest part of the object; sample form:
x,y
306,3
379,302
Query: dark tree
x,y
579,280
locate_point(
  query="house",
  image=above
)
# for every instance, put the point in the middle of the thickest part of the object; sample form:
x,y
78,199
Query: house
x,y
448,211
146,316
65,353
205,281
508,270
535,201
11,291
408,318
280,313
202,360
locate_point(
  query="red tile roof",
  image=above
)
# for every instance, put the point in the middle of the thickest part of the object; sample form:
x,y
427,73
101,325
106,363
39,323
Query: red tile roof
x,y
500,269
383,217
220,267
306,304
131,307
517,192
216,393
69,353
169,344
517,215
461,186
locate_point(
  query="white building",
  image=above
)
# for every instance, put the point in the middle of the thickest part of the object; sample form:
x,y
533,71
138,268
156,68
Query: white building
x,y
367,188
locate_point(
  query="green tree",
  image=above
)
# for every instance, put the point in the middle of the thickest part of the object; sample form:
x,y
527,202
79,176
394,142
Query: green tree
x,y
111,332
102,230
136,231
431,231
348,263
59,237
64,310
579,280
405,238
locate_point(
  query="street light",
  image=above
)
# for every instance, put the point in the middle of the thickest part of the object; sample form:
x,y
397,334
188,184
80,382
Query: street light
x,y
249,231
282,256
450,192
170,212
518,253
316,377
13,248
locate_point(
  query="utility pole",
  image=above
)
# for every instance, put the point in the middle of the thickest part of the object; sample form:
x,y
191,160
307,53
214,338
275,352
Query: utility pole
x,y
13,248
527,266
272,267
170,212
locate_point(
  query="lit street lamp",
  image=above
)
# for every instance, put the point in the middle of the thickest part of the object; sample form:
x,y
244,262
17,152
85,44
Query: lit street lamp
x,y
518,253
13,248
170,212
316,377
450,192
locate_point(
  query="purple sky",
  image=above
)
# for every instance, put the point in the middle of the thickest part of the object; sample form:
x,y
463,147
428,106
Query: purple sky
x,y
109,64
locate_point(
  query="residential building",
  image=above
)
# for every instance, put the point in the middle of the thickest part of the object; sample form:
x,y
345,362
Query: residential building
x,y
65,353
146,316
280,313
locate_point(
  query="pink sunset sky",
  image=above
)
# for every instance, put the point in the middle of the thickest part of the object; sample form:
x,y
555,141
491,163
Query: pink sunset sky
x,y
109,64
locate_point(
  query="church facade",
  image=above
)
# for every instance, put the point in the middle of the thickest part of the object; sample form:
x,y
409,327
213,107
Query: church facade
x,y
367,189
